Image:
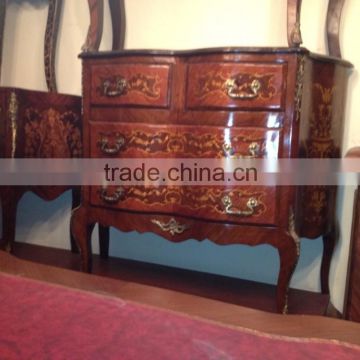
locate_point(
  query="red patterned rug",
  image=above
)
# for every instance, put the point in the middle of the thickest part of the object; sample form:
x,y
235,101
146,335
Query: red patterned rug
x,y
43,321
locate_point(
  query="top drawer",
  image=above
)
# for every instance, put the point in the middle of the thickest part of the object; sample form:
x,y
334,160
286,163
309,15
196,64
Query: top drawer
x,y
130,84
235,85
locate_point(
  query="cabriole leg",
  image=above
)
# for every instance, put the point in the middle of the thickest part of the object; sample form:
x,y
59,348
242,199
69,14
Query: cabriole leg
x,y
289,252
9,202
104,239
329,241
81,229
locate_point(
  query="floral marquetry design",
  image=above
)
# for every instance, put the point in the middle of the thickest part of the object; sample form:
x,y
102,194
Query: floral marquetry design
x,y
235,85
189,142
218,81
321,143
198,198
148,86
317,200
51,134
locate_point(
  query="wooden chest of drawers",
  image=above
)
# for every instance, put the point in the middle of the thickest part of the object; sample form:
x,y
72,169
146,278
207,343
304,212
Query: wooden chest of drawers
x,y
214,103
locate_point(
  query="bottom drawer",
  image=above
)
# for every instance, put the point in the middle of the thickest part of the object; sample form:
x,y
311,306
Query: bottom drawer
x,y
253,205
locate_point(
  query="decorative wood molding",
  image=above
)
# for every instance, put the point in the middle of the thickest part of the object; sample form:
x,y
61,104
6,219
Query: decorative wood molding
x,y
13,115
292,231
299,86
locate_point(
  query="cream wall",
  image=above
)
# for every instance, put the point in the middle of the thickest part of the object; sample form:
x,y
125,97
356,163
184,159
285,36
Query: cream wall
x,y
180,25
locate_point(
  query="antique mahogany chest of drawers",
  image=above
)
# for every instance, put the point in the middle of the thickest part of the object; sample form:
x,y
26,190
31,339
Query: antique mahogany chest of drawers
x,y
214,103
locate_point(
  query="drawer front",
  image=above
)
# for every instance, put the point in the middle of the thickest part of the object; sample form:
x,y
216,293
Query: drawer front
x,y
143,141
253,205
131,84
235,86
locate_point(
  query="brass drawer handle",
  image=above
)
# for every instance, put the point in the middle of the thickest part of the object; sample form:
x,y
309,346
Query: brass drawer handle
x,y
114,198
116,87
111,150
253,150
173,227
235,91
251,205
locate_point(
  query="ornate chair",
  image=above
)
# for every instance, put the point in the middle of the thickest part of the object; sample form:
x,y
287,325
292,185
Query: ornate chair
x,y
332,25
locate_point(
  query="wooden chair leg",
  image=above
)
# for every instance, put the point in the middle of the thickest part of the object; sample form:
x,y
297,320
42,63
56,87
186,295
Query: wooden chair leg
x,y
329,241
333,26
293,23
82,229
289,254
95,30
51,34
118,21
104,239
9,202
104,231
76,196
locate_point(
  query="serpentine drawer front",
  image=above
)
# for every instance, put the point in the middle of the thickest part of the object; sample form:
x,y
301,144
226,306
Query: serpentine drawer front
x,y
240,103
235,85
162,141
131,84
255,204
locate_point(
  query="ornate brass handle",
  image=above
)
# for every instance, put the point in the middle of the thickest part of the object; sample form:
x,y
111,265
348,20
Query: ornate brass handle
x,y
173,227
113,88
237,92
113,198
111,150
251,204
253,150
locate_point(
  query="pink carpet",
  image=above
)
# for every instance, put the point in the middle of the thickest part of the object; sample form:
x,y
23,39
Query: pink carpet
x,y
43,321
